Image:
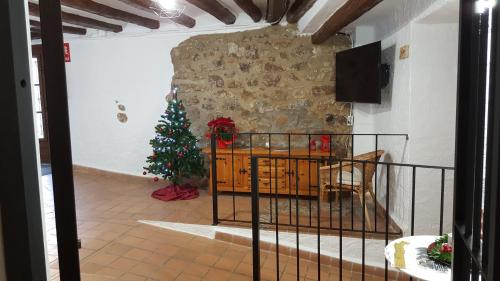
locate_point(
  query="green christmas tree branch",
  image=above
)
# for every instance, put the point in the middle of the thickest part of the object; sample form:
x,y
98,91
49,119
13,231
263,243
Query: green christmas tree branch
x,y
175,153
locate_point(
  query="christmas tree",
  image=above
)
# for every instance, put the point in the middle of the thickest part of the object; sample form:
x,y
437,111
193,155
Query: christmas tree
x,y
175,154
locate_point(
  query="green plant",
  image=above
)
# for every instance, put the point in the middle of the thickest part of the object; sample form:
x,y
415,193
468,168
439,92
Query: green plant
x,y
440,250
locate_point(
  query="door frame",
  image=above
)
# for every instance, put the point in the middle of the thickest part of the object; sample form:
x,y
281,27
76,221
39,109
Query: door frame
x,y
59,139
471,195
20,191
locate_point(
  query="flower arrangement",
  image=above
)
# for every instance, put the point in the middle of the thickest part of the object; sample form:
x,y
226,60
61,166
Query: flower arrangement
x,y
441,250
224,129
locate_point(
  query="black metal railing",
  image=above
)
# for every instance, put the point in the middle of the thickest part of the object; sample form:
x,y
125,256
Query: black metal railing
x,y
363,188
340,146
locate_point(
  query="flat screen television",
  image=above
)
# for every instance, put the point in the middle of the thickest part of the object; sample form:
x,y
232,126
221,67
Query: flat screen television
x,y
360,74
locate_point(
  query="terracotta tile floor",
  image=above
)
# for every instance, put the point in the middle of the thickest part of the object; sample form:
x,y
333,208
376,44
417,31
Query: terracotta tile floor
x,y
116,247
329,216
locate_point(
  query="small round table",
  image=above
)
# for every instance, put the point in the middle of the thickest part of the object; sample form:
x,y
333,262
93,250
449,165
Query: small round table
x,y
417,263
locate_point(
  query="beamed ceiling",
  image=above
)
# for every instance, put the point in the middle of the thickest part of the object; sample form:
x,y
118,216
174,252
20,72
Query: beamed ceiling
x,y
113,15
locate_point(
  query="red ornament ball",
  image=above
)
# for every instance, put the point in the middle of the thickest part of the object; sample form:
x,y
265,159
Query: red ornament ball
x,y
155,179
180,154
446,248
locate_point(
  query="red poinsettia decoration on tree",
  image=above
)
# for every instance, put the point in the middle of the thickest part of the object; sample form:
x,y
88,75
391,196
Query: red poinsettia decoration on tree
x,y
224,129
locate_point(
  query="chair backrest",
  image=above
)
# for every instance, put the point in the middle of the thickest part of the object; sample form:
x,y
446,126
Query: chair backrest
x,y
370,156
373,156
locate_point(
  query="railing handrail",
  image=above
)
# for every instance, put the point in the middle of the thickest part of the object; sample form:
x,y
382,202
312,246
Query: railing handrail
x,y
320,134
333,159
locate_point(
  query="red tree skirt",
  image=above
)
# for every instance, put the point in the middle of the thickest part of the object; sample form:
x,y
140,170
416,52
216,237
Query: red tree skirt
x,y
176,192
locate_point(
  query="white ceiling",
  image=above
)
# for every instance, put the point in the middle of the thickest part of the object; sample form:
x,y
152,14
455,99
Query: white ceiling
x,y
448,12
385,17
190,10
390,15
318,14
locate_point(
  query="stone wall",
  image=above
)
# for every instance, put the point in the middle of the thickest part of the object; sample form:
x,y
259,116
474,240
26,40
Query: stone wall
x,y
267,80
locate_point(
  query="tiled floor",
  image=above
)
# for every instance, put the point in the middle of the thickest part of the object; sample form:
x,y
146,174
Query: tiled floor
x,y
352,221
116,247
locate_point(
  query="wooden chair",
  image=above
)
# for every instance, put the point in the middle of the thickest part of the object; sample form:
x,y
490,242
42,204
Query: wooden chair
x,y
328,186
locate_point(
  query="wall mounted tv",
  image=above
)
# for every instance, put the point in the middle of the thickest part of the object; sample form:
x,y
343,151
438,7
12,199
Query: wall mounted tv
x,y
361,75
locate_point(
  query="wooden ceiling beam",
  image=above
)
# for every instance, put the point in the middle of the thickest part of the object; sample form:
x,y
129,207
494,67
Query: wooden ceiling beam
x,y
74,30
78,20
216,9
146,5
66,29
348,13
185,20
250,8
298,10
90,6
276,9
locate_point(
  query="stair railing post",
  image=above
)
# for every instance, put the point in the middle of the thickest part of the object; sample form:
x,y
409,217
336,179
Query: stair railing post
x,y
213,152
255,219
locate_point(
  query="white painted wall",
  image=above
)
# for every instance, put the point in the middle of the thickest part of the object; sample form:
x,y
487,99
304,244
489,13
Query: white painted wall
x,y
420,101
432,114
393,116
136,71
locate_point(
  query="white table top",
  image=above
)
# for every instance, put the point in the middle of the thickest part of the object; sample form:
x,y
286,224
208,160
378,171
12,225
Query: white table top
x,y
415,259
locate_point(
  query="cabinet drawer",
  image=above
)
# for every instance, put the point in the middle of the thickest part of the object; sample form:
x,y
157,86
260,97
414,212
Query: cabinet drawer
x,y
227,188
273,172
265,185
270,162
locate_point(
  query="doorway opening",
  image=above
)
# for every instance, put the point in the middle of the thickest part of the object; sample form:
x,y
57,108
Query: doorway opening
x,y
41,118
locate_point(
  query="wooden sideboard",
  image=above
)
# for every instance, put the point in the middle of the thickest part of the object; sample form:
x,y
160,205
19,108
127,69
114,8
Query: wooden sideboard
x,y
282,172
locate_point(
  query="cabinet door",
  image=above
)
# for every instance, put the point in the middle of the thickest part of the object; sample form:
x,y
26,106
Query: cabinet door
x,y
223,170
239,171
304,172
227,170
